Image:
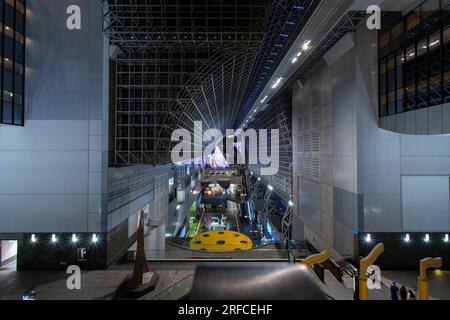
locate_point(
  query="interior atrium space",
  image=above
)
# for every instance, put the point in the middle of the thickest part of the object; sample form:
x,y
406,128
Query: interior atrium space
x,y
225,150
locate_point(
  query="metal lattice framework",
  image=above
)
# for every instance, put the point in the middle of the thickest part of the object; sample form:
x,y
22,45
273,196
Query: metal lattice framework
x,y
186,61
279,112
347,24
279,116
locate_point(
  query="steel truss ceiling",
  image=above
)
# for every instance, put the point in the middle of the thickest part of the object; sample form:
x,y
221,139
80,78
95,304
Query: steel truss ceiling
x,y
279,116
190,60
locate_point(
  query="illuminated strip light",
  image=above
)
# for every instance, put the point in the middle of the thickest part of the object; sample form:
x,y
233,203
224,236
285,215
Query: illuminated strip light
x,y
306,45
277,83
434,43
264,100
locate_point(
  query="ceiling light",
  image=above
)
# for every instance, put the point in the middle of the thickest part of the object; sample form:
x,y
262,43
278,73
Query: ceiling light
x,y
74,238
54,239
294,60
291,204
33,238
306,45
368,238
94,238
427,238
434,43
277,83
407,238
446,239
264,100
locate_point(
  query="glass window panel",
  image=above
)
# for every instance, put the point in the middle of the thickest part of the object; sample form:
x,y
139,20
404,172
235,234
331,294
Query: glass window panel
x,y
435,41
383,76
18,109
446,35
391,103
410,53
18,99
7,80
9,47
19,56
410,97
400,100
20,38
20,7
422,47
430,8
7,96
12,23
9,32
384,39
18,85
400,61
20,26
8,63
447,87
19,68
397,30
9,15
412,19
422,93
7,112
383,106
435,90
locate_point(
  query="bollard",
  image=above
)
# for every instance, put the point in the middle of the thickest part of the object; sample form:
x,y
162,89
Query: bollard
x,y
423,279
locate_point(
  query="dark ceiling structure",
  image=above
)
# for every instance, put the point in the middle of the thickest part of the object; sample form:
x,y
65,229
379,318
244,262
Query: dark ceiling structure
x,y
191,60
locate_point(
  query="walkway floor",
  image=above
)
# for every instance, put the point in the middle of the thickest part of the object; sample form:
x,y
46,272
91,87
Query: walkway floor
x,y
101,284
95,285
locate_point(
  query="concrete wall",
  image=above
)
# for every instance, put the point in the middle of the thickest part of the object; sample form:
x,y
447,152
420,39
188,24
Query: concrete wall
x,y
429,121
132,189
325,154
386,158
53,170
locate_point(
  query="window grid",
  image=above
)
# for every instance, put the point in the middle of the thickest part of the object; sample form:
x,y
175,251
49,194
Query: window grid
x,y
414,58
12,59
